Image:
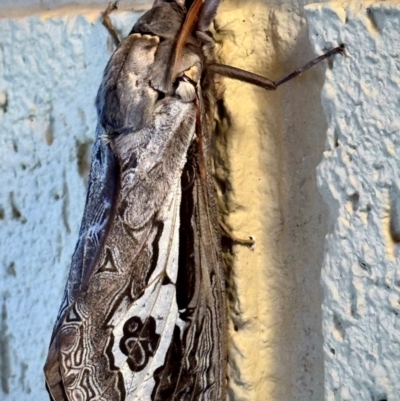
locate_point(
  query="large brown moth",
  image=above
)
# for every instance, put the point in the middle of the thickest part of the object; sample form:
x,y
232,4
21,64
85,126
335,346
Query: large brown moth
x,y
144,313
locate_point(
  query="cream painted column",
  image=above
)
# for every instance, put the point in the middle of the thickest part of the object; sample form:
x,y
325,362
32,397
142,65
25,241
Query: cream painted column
x,y
270,144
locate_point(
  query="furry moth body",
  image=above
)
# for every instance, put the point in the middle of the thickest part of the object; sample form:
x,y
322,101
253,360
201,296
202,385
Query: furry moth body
x,y
144,314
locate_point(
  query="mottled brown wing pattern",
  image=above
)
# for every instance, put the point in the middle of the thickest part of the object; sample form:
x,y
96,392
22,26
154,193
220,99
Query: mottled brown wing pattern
x,y
200,287
95,223
143,317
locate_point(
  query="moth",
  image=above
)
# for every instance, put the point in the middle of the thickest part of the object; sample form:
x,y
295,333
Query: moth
x,y
144,312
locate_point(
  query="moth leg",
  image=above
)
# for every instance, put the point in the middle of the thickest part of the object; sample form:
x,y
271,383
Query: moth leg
x,y
107,21
246,242
298,71
258,80
242,75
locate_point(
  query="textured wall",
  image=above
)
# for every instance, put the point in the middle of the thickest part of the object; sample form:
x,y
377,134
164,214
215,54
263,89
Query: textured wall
x,y
26,7
359,177
269,145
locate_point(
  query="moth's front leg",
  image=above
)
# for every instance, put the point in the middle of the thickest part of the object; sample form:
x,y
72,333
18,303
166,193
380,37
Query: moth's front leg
x,y
258,80
228,233
108,24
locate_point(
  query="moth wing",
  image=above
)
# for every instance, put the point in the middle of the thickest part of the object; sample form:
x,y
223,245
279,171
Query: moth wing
x,y
117,331
102,347
190,361
199,342
100,201
103,185
142,336
211,305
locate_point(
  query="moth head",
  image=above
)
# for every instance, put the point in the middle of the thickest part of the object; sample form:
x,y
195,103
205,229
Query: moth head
x,y
197,20
207,12
181,27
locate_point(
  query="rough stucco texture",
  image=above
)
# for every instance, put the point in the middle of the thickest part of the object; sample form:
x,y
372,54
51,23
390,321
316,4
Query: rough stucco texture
x,y
360,180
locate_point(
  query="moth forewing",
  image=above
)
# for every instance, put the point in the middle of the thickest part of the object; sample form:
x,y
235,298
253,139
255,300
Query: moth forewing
x,y
123,325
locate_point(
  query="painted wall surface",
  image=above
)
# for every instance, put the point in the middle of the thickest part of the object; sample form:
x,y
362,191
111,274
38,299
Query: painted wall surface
x,y
268,146
27,7
359,177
